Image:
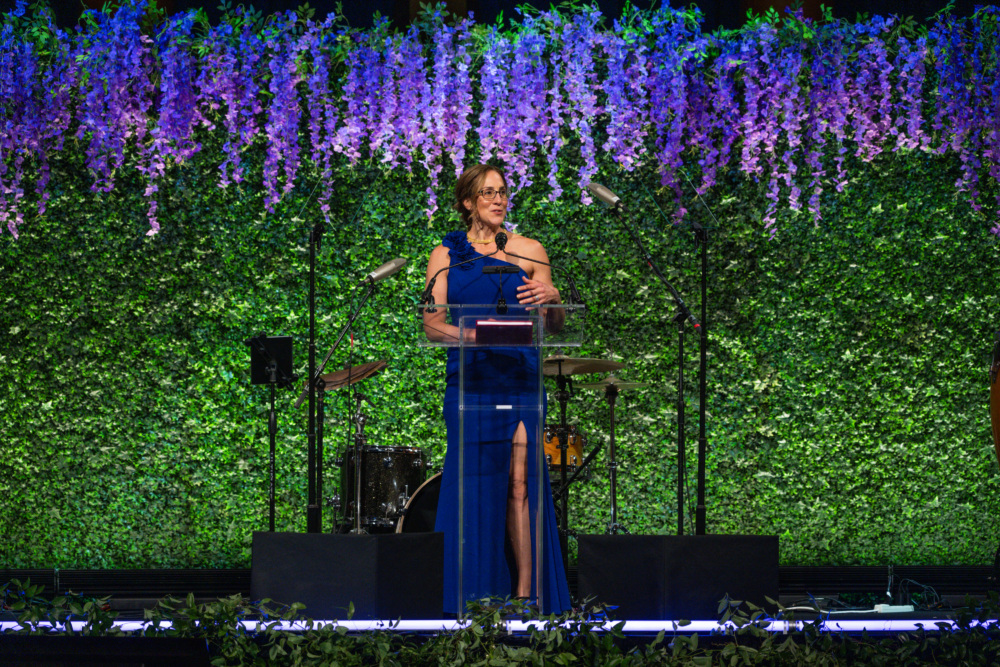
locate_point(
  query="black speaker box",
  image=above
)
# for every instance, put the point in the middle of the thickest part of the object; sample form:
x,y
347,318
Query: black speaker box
x,y
671,577
385,576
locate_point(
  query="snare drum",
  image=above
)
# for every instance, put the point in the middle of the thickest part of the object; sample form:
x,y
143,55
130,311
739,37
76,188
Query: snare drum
x,y
574,451
389,475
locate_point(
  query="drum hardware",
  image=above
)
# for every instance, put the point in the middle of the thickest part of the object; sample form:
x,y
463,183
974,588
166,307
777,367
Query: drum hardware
x,y
578,472
612,386
572,460
324,383
402,499
612,380
562,367
360,419
562,395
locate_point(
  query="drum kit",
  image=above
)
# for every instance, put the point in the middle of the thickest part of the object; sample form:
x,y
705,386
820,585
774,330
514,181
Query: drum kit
x,y
385,489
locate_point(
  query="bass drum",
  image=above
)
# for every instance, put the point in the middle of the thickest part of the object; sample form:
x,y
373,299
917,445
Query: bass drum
x,y
421,510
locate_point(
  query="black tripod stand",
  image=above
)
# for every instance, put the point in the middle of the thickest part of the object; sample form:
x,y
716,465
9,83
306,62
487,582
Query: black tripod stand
x,y
612,386
271,364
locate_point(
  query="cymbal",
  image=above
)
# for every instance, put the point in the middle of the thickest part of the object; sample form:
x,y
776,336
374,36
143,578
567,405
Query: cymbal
x,y
560,364
352,374
612,381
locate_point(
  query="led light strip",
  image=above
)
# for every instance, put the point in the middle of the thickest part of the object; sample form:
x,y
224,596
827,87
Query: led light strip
x,y
635,627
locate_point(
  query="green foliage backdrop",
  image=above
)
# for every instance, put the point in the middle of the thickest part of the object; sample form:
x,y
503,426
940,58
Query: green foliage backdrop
x,y
848,369
848,394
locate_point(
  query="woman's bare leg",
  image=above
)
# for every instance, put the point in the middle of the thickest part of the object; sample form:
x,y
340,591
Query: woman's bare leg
x,y
518,519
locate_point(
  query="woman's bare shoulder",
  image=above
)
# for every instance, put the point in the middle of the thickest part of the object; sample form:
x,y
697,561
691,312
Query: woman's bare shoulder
x,y
517,242
440,255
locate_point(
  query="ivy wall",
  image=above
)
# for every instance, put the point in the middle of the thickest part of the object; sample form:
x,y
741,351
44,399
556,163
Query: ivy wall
x,y
851,313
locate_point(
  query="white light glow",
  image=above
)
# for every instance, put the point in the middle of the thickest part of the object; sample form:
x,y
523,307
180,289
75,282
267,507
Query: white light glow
x,y
871,625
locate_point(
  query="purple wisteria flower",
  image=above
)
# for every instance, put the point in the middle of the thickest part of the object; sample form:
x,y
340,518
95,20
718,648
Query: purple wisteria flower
x,y
675,44
115,92
782,101
446,104
959,113
20,133
582,42
34,115
228,87
627,96
281,153
989,101
176,109
323,111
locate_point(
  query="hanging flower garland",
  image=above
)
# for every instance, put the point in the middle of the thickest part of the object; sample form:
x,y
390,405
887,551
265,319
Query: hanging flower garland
x,y
20,136
283,114
114,93
446,105
228,87
580,41
173,139
627,95
783,101
990,103
675,43
323,111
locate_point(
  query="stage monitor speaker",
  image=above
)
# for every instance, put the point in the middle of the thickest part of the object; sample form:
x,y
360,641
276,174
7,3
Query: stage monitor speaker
x,y
386,576
671,577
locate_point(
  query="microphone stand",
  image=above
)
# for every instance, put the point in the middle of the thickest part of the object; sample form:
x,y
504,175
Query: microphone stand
x,y
317,384
683,313
314,516
427,298
701,240
314,512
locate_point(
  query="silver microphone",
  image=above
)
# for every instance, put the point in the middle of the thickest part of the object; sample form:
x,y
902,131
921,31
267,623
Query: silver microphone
x,y
606,196
384,271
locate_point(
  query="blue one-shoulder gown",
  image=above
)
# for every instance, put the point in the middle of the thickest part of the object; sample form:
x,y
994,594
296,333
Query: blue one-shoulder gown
x,y
494,376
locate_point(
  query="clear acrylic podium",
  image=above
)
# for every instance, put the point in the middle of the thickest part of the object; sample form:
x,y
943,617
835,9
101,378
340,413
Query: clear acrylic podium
x,y
500,378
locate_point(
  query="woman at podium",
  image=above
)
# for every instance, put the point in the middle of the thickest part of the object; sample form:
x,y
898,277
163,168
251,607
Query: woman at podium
x,y
500,484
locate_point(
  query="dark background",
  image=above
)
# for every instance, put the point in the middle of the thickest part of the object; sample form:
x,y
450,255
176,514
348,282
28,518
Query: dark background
x,y
718,13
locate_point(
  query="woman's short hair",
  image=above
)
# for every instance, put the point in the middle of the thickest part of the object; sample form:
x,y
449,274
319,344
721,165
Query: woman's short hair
x,y
468,186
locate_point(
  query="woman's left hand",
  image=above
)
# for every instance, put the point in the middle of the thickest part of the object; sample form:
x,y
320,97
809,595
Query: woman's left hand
x,y
535,292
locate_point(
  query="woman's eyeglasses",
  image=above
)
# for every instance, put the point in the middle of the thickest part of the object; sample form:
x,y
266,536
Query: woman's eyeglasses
x,y
489,194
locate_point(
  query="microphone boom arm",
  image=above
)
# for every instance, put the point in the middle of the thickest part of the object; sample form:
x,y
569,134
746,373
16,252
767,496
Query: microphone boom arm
x,y
319,370
684,311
